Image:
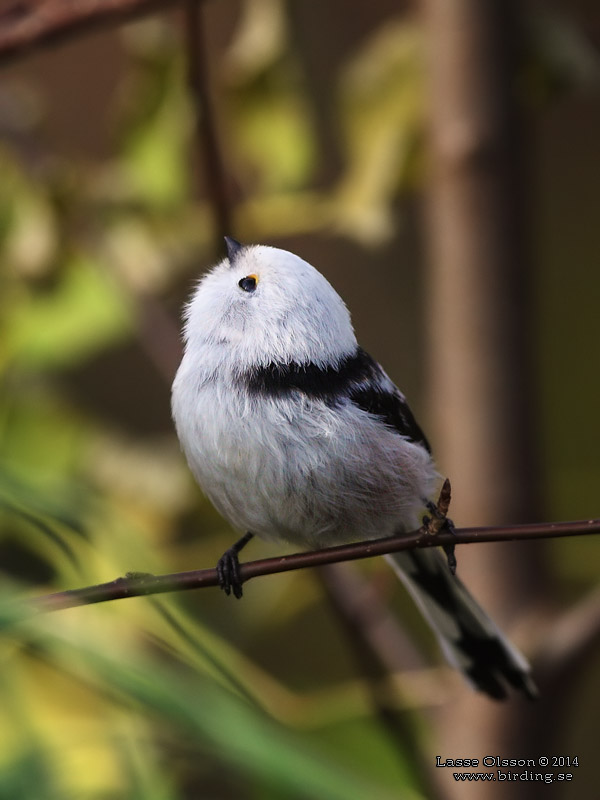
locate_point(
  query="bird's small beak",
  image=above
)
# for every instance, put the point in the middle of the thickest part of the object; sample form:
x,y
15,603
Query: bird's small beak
x,y
234,248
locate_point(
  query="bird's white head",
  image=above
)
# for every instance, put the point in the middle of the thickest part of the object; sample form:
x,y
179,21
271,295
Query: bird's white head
x,y
262,305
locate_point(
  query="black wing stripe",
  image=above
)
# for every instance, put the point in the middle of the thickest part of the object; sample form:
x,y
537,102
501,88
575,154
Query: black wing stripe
x,y
357,378
394,411
329,383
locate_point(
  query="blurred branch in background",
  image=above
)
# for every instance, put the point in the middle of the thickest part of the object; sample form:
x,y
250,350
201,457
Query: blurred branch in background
x,y
379,647
209,149
26,25
138,585
479,311
481,334
576,633
563,653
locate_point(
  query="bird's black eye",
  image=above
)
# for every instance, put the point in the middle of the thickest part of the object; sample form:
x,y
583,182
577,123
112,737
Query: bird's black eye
x,y
248,284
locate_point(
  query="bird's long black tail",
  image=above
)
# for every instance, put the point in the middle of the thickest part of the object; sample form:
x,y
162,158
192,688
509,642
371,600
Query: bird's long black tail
x,y
469,638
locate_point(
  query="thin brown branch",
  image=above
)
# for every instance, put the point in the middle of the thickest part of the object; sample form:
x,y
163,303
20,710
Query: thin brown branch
x,y
28,25
136,585
209,149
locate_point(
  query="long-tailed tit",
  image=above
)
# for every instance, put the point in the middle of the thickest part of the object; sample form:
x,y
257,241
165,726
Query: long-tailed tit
x,y
295,433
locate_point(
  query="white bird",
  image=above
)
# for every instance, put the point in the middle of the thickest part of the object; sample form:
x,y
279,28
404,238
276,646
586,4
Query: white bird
x,y
296,434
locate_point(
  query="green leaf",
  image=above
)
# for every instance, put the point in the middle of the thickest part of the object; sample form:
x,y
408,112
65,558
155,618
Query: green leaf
x,y
215,723
83,313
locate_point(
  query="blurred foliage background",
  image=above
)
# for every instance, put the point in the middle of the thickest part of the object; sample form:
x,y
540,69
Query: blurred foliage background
x,y
104,226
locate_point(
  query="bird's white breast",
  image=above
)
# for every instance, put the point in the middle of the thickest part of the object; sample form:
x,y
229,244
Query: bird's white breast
x,y
294,469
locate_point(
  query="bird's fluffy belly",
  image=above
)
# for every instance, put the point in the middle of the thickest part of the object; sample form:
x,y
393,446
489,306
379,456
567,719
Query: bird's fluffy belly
x,y
305,473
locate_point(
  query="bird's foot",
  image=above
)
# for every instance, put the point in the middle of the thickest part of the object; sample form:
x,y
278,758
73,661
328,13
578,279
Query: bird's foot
x,y
228,568
439,521
450,548
228,573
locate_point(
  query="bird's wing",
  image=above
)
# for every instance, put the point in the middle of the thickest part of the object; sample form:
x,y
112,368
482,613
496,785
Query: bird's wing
x,y
375,393
357,378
